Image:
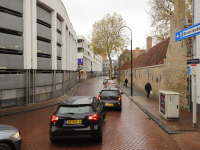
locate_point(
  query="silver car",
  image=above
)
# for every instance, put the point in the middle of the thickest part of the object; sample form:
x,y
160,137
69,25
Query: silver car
x,y
10,138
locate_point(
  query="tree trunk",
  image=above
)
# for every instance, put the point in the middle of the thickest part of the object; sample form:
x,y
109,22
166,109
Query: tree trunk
x,y
110,60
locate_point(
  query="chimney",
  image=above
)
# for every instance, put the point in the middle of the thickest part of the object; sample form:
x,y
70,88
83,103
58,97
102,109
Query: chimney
x,y
179,10
137,51
149,42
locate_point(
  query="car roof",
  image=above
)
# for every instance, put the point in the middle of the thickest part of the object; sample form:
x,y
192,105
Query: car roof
x,y
77,100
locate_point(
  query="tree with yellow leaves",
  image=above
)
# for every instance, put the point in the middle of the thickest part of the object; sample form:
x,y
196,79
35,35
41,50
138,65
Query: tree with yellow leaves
x,y
104,40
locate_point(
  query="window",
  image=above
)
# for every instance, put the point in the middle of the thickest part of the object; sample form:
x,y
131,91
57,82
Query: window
x,y
74,109
109,93
80,50
96,102
80,41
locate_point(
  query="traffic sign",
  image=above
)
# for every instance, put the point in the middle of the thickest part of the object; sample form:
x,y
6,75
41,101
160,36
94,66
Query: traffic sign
x,y
193,61
192,69
80,61
187,32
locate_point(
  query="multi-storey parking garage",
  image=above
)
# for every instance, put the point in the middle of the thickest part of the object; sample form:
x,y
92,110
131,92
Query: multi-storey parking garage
x,y
38,52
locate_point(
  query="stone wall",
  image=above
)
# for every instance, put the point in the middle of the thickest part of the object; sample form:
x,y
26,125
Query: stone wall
x,y
140,76
173,74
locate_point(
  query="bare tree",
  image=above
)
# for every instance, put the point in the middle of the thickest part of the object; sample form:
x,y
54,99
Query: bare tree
x,y
160,13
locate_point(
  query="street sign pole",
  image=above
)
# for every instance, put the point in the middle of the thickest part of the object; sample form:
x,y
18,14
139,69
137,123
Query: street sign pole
x,y
194,76
191,31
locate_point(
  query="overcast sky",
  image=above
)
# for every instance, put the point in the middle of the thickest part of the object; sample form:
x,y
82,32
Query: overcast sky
x,y
83,14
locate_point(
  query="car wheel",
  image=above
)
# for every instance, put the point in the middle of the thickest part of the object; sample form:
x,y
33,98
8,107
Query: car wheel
x,y
4,146
104,114
120,109
99,139
52,140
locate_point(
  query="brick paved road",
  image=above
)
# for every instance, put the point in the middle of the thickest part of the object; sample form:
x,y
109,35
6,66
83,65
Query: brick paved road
x,y
127,130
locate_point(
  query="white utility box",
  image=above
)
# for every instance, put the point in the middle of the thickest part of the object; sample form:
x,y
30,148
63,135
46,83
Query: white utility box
x,y
169,104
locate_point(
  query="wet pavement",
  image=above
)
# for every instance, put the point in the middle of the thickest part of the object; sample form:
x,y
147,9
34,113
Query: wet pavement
x,y
181,129
130,129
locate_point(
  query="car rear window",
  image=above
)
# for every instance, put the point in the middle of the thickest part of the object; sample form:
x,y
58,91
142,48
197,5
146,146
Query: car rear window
x,y
111,81
109,93
111,86
74,109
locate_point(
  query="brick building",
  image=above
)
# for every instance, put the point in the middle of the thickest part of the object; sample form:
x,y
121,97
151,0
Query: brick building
x,y
165,64
126,56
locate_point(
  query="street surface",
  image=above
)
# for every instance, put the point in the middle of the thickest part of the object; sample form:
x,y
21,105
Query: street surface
x,y
127,130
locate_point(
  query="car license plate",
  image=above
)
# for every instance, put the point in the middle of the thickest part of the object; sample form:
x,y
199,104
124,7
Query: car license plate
x,y
73,121
108,104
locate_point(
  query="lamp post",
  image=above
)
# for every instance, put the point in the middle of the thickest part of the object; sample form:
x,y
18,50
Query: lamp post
x,y
131,56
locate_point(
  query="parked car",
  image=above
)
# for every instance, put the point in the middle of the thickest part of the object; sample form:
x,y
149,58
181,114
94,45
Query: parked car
x,y
77,117
105,81
10,138
111,97
115,76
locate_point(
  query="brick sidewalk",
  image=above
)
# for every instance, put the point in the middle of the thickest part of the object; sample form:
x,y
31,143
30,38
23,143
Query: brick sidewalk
x,y
151,108
48,103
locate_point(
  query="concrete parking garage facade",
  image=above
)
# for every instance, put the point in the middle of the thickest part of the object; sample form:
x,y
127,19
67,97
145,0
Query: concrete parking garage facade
x,y
38,52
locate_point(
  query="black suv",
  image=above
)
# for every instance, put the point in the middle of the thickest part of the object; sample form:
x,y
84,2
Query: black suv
x,y
77,117
111,97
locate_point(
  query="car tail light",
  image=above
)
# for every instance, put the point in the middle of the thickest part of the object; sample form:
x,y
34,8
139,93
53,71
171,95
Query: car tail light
x,y
99,97
119,98
54,118
116,86
94,117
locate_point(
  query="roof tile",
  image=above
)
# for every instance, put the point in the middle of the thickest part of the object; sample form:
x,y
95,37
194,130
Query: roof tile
x,y
154,56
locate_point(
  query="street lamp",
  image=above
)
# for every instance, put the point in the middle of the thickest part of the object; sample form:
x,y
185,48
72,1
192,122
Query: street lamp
x,y
131,55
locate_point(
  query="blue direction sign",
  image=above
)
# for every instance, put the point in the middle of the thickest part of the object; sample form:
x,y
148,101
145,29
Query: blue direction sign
x,y
80,61
187,32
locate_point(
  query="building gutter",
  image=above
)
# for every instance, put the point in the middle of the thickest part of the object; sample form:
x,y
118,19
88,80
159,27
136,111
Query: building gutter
x,y
152,66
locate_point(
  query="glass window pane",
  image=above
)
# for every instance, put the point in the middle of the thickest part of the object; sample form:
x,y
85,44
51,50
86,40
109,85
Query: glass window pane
x,y
75,110
109,93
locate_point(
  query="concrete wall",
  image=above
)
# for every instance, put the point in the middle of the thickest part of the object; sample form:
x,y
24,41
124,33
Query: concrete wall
x,y
34,35
14,93
84,75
